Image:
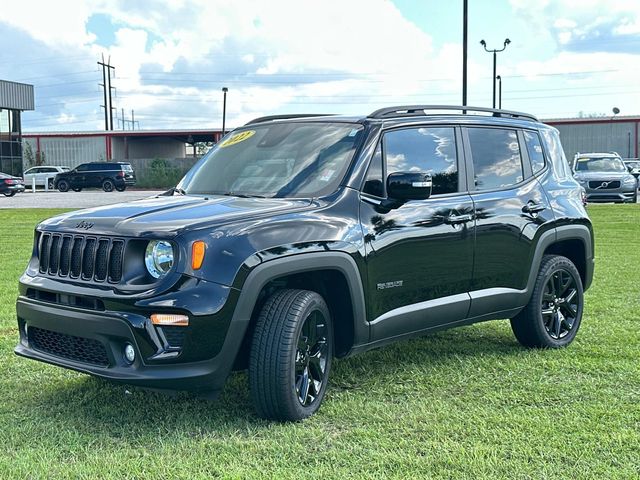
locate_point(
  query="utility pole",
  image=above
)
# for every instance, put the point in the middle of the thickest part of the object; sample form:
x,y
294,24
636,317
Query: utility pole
x,y
106,90
133,120
465,11
122,110
495,52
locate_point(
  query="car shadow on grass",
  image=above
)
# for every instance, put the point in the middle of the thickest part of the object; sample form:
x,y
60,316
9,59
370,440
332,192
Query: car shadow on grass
x,y
95,406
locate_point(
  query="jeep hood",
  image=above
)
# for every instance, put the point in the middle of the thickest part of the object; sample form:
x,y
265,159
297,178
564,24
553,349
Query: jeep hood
x,y
170,214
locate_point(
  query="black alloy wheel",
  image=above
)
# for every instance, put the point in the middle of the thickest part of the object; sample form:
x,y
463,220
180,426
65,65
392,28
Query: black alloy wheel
x,y
108,185
553,315
121,188
311,358
63,186
560,304
291,355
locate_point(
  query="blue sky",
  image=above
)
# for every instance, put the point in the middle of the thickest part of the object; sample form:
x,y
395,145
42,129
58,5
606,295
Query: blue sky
x,y
172,57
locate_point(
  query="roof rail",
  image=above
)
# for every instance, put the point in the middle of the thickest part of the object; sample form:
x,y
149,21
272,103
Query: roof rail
x,y
270,118
420,110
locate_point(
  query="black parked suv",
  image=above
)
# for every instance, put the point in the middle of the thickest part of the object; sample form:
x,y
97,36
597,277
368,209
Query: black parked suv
x,y
298,240
105,175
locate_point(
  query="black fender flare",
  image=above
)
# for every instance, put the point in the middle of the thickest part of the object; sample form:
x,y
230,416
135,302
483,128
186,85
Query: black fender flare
x,y
300,263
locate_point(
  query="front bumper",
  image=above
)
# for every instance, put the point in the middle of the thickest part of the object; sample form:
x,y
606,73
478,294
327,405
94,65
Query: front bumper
x,y
610,196
93,342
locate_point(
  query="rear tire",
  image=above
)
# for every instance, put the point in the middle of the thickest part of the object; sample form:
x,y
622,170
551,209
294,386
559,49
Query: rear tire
x,y
553,315
63,186
9,194
291,354
121,188
108,185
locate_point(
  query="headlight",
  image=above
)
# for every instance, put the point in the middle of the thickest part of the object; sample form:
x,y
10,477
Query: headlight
x,y
630,180
158,257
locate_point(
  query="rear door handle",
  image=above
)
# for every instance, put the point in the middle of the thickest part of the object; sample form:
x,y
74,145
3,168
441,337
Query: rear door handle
x,y
533,207
453,219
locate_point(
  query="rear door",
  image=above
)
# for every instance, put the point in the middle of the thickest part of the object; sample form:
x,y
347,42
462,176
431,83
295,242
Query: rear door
x,y
419,254
511,211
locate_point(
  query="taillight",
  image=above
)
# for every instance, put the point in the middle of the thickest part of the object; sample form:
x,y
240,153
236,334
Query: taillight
x,y
120,174
10,181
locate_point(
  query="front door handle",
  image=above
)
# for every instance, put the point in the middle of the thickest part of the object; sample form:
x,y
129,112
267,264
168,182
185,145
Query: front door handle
x,y
453,219
533,207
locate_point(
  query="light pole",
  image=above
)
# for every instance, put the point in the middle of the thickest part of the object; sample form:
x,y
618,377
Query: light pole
x,y
224,108
499,78
495,52
465,16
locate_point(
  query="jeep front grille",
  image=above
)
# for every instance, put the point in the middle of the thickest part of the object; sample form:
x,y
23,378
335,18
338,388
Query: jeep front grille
x,y
78,256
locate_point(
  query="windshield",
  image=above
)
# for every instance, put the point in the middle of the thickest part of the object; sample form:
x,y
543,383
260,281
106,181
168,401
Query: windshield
x,y
277,160
601,164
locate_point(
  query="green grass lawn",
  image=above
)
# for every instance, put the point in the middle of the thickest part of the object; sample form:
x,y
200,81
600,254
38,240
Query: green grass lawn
x,y
466,403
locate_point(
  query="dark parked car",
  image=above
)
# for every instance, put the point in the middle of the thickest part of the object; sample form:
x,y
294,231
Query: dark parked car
x,y
633,165
605,178
105,175
298,240
10,185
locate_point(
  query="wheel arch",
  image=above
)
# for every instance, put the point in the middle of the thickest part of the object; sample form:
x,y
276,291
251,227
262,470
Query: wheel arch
x,y
334,275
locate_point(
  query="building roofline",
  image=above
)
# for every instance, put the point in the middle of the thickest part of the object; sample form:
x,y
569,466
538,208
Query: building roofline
x,y
122,133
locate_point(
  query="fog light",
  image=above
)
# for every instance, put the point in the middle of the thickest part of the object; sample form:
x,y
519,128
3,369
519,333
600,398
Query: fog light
x,y
129,353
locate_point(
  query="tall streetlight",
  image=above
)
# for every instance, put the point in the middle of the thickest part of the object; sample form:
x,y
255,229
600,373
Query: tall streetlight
x,y
465,22
495,52
224,109
499,78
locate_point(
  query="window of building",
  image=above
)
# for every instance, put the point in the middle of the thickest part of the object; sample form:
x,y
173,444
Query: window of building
x,y
425,149
497,162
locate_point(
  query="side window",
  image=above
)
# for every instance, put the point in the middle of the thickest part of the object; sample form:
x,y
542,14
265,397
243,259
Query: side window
x,y
534,148
95,167
82,168
426,149
373,184
497,162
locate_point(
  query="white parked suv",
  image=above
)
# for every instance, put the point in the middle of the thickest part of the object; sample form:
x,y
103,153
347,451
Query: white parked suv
x,y
43,174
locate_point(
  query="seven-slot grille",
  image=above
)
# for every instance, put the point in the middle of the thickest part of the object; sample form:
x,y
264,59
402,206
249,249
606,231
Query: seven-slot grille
x,y
80,256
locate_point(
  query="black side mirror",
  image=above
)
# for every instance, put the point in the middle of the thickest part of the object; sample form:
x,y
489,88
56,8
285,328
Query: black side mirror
x,y
409,185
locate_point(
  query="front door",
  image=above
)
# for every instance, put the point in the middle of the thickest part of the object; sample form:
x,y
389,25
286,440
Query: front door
x,y
419,254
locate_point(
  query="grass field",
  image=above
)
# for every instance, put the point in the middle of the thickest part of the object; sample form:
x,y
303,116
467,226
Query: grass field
x,y
465,403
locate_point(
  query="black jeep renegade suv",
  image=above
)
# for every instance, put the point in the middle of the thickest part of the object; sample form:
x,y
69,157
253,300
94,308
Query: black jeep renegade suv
x,y
300,239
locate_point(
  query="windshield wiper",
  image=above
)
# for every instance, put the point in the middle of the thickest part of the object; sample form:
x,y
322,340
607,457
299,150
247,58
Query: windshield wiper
x,y
179,191
241,195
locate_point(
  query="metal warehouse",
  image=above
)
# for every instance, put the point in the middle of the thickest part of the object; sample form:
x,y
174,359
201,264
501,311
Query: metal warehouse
x,y
72,148
618,134
14,99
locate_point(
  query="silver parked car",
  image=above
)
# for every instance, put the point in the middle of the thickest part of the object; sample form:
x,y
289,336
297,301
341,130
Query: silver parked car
x,y
43,174
605,177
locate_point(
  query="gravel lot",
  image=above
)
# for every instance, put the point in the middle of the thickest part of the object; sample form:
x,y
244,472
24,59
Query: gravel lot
x,y
84,199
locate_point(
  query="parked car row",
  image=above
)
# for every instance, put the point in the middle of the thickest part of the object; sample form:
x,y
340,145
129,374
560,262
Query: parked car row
x,y
106,175
605,178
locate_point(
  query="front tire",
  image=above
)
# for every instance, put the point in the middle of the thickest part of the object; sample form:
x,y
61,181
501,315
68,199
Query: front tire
x,y
77,189
291,354
553,315
63,186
